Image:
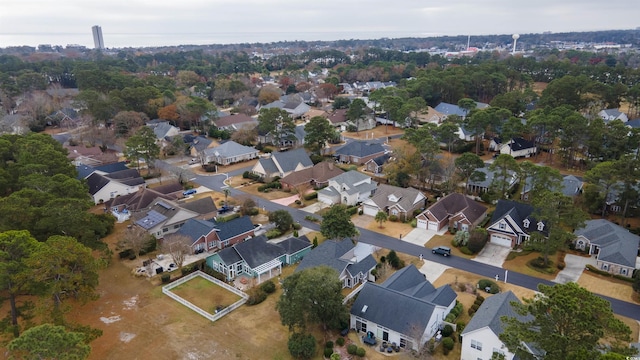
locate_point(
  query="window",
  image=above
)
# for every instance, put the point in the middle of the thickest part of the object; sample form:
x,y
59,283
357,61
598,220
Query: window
x,y
165,229
623,271
526,223
476,345
502,226
540,226
605,267
404,343
394,212
465,227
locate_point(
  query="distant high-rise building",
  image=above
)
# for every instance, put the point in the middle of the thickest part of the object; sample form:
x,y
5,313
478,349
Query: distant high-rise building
x,y
98,41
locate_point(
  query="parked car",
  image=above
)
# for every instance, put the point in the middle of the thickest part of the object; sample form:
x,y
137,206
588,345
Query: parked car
x,y
223,209
442,250
189,192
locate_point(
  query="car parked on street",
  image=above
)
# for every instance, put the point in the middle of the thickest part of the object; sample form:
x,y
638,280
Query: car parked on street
x,y
189,192
442,250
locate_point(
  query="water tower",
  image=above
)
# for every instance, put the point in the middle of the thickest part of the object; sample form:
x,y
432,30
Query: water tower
x,y
515,38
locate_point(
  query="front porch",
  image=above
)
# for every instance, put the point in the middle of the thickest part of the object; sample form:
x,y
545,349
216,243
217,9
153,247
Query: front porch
x,y
263,273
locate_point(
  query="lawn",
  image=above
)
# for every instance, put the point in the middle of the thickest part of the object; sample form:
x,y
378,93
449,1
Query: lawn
x,y
205,294
390,228
519,264
608,286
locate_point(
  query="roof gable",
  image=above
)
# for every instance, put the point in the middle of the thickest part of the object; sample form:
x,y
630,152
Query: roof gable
x,y
360,149
490,312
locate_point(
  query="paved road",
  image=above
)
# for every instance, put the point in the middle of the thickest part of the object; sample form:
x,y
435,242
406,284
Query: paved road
x,y
216,182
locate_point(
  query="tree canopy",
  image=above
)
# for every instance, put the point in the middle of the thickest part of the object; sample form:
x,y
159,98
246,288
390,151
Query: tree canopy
x,y
50,342
336,223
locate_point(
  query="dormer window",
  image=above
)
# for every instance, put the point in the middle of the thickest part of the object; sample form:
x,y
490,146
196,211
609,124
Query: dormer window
x,y
526,223
392,198
540,226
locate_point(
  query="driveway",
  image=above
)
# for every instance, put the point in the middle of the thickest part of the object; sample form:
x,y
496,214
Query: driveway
x,y
493,254
432,270
421,236
315,207
574,268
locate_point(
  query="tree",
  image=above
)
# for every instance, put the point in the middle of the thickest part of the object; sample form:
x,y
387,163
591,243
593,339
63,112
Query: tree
x,y
341,102
604,177
312,296
49,341
336,223
505,168
276,122
566,322
126,121
268,94
357,110
302,346
178,246
381,217
447,133
15,275
66,269
142,145
135,239
226,192
318,132
466,164
426,145
244,136
282,219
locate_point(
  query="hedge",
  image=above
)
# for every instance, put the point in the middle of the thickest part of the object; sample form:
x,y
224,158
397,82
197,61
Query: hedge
x,y
327,352
311,196
486,283
227,218
352,210
273,233
256,296
608,274
268,287
271,185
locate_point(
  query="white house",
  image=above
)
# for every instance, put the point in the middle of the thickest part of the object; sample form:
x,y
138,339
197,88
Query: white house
x,y
394,200
480,338
104,187
406,309
518,147
349,188
613,114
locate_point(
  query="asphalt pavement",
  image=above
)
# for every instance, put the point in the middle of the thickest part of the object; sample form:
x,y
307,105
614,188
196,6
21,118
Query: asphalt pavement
x,y
216,182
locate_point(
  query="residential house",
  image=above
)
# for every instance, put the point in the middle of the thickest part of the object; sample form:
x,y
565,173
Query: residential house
x,y
615,247
197,144
349,188
613,114
447,109
92,156
102,188
281,164
481,186
286,140
571,186
480,338
518,147
85,170
353,263
513,223
229,153
14,124
431,115
205,207
236,122
338,118
313,113
294,104
375,165
405,309
163,129
359,152
394,201
455,211
123,206
209,235
258,258
162,218
315,177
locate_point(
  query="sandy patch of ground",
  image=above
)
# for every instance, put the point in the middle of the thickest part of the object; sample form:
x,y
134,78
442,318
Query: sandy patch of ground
x,y
519,264
455,277
608,286
380,131
389,228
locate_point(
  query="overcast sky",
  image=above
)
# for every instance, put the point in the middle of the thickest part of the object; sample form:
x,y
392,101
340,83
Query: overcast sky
x,y
135,23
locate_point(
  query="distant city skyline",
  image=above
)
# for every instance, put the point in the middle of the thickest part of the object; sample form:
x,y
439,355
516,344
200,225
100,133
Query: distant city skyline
x,y
137,23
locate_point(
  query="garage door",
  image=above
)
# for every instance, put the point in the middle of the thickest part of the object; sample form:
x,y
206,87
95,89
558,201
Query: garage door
x,y
500,240
433,226
422,224
369,210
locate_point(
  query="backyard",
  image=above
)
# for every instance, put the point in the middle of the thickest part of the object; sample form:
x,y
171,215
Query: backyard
x,y
205,294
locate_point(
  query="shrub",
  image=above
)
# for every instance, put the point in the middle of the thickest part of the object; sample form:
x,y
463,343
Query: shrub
x,y
165,278
227,218
485,284
302,346
393,218
460,326
335,356
295,233
298,202
273,233
475,307
471,311
352,210
327,352
480,298
414,223
311,218
450,318
351,349
340,341
311,196
256,296
447,330
465,250
447,343
561,265
477,239
361,352
329,344
268,287
296,226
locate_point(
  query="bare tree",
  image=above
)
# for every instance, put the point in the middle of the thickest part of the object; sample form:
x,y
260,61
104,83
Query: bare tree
x,y
178,247
134,239
302,189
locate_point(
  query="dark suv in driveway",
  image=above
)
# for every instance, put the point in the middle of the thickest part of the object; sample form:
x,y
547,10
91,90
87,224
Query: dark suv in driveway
x,y
442,250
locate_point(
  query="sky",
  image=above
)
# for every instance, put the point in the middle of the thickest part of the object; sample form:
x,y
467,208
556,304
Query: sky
x,y
137,23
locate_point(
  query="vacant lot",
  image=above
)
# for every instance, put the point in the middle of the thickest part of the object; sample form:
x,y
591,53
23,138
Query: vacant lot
x,y
205,294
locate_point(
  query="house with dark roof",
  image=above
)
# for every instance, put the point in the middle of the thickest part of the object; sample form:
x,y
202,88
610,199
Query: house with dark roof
x,y
394,201
349,188
359,152
519,147
513,223
259,258
455,211
85,170
205,207
615,248
353,263
102,188
209,235
282,163
236,122
316,176
405,309
375,165
229,153
197,144
480,338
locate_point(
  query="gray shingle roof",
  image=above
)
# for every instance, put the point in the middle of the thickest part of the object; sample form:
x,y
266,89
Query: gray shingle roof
x,y
406,198
490,312
617,244
360,149
518,212
489,176
456,203
201,206
258,251
196,228
235,227
289,160
229,149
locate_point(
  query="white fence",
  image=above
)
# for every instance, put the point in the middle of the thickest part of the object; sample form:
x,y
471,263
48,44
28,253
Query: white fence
x,y
213,317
